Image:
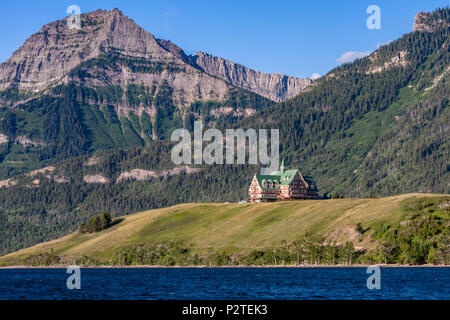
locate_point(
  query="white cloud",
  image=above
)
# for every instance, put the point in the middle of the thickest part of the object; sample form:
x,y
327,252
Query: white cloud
x,y
315,76
383,44
351,56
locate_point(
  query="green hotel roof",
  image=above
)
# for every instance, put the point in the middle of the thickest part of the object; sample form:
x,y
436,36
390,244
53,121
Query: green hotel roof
x,y
284,177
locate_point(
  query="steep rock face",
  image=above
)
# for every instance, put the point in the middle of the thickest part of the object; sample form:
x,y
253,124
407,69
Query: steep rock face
x,y
109,84
50,56
429,22
47,58
175,50
276,87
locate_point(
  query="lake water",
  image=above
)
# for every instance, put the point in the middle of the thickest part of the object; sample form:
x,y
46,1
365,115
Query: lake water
x,y
226,283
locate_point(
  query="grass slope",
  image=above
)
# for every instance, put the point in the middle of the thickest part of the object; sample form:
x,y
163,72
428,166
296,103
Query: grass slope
x,y
239,226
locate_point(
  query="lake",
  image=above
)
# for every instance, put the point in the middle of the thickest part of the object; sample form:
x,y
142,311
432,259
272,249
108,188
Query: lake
x,y
225,283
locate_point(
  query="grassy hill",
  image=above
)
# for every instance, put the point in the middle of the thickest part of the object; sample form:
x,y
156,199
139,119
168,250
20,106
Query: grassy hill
x,y
374,127
313,231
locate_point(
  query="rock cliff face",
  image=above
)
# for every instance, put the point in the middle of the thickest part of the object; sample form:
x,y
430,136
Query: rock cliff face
x,y
429,22
48,57
277,87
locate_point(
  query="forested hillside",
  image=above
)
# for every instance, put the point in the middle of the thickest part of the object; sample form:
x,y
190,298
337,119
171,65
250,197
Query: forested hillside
x,y
51,202
378,126
74,120
109,85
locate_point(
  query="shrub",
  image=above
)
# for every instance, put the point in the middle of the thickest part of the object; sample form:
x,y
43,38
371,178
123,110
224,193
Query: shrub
x,y
97,223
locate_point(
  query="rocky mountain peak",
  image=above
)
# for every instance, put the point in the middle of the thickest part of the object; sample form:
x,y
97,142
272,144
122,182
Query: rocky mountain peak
x,y
47,56
276,87
429,22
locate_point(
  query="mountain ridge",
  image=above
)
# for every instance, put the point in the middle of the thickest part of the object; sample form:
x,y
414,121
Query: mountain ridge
x,y
426,22
378,126
47,57
378,123
274,86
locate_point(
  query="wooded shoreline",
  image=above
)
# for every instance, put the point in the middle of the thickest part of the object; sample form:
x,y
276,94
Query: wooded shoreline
x,y
231,267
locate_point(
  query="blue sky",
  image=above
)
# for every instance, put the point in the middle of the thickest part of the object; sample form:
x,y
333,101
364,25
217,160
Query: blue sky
x,y
296,37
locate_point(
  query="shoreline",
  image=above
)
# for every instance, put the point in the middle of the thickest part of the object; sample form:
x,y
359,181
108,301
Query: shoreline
x,y
229,267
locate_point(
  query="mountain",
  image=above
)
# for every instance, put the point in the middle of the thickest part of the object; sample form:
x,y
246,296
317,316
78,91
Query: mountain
x,y
406,229
273,86
109,49
111,84
429,22
376,127
379,125
276,87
